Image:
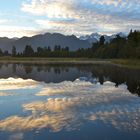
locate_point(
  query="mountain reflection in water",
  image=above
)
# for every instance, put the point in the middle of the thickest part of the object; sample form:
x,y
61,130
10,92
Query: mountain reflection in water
x,y
59,73
69,102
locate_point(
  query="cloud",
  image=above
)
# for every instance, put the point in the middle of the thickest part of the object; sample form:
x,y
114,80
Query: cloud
x,y
71,17
104,16
52,9
71,8
2,21
108,2
17,31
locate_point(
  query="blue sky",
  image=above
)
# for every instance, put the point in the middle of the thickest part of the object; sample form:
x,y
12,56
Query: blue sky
x,y
80,17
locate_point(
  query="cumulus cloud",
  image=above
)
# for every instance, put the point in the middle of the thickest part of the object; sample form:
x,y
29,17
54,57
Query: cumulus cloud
x,y
105,16
71,17
53,9
108,2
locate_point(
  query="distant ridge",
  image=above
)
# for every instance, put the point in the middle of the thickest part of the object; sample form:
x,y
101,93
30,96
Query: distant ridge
x,y
43,40
52,39
94,37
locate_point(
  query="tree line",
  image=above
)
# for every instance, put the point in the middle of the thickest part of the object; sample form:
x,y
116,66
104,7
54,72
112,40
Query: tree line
x,y
119,47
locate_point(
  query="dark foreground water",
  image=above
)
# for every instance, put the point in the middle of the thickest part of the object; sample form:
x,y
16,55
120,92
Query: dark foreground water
x,y
69,102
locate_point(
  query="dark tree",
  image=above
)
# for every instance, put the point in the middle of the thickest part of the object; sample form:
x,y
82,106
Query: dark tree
x,y
57,48
1,53
67,48
49,49
6,53
102,41
28,51
119,47
40,50
14,52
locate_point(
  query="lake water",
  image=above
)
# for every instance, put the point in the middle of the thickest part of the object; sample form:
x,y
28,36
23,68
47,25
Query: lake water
x,y
69,102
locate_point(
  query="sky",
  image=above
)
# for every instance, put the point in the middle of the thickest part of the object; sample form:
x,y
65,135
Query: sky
x,y
79,17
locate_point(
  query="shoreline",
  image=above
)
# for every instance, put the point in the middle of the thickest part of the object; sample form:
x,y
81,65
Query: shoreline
x,y
71,61
42,60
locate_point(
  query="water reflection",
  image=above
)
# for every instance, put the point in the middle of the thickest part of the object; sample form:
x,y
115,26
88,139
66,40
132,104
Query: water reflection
x,y
18,83
70,104
51,101
67,111
59,73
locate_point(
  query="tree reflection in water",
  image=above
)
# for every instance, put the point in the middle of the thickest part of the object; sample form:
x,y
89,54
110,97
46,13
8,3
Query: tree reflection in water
x,y
59,73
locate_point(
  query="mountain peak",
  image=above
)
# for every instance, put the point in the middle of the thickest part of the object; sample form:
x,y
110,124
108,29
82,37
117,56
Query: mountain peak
x,y
42,40
94,37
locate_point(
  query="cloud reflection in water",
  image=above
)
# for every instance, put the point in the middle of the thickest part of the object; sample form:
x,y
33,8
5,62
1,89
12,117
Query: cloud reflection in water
x,y
69,105
16,83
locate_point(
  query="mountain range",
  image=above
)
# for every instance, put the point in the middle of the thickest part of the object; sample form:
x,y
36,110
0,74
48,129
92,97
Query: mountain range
x,y
95,37
52,39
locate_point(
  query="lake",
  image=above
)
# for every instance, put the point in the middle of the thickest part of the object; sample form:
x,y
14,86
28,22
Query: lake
x,y
69,102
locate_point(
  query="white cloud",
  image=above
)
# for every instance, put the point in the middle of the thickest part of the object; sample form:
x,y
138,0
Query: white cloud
x,y
52,9
71,17
17,31
2,21
103,16
110,2
116,3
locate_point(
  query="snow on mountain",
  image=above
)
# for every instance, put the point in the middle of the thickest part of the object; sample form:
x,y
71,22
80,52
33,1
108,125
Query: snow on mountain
x,y
95,37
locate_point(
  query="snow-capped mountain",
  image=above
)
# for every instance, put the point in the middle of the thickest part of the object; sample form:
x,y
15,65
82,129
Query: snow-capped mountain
x,y
120,34
95,37
52,39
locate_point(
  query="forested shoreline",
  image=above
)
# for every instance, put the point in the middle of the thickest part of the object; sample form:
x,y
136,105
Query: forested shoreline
x,y
118,47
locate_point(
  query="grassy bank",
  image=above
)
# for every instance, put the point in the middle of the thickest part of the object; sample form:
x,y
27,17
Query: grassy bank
x,y
40,60
132,63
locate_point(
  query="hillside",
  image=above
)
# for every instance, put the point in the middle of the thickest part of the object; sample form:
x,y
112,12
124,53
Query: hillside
x,y
44,40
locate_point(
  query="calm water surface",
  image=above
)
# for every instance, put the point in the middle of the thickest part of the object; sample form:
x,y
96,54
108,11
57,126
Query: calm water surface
x,y
69,102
